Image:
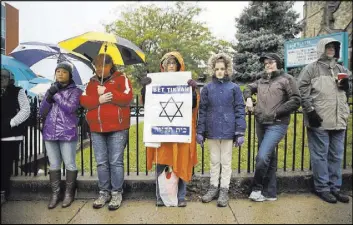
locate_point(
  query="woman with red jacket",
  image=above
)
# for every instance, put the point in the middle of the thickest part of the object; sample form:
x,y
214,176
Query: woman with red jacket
x,y
108,116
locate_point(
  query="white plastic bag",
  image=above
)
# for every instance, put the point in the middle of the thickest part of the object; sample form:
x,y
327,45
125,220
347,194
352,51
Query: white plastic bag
x,y
168,187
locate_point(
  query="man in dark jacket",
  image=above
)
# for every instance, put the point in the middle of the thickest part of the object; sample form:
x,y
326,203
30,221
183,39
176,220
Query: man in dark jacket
x,y
15,110
277,97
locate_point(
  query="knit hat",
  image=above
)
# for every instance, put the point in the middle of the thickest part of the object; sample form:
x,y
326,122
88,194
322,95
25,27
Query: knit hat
x,y
272,56
66,66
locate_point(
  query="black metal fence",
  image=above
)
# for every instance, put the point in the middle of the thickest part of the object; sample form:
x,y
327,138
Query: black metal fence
x,y
292,152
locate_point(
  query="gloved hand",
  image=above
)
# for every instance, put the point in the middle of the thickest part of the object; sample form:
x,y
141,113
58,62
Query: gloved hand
x,y
343,84
54,88
238,140
314,119
145,81
192,83
200,139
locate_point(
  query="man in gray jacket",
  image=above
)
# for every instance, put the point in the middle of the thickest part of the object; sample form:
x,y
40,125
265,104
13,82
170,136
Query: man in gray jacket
x,y
326,114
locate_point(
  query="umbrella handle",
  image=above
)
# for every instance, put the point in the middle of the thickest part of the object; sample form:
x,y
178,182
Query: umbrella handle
x,y
105,50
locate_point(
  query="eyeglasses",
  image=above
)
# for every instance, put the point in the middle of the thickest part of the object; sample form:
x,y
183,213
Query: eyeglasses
x,y
171,63
269,63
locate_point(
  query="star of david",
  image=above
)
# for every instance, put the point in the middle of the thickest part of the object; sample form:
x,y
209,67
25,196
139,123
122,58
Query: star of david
x,y
171,102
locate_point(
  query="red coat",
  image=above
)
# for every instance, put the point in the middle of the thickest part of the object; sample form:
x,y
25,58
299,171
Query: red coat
x,y
112,116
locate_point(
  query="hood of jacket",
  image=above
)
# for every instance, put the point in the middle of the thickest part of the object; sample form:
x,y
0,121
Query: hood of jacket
x,y
177,56
227,59
320,48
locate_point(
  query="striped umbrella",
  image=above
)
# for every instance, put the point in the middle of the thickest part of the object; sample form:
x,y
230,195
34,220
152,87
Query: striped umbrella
x,y
91,44
43,58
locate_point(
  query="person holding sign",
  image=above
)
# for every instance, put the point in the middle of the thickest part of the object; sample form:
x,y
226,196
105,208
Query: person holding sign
x,y
324,85
222,121
107,99
277,97
182,157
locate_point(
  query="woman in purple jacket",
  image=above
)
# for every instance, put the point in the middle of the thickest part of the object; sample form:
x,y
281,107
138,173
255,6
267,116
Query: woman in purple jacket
x,y
58,110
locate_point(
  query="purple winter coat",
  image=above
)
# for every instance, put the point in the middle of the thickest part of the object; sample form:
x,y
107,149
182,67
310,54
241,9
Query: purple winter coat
x,y
61,120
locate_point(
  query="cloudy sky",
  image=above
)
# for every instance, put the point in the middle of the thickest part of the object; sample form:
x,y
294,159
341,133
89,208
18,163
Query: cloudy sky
x,y
52,21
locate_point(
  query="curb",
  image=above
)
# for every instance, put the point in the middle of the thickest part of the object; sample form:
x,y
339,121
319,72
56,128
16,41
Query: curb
x,y
143,186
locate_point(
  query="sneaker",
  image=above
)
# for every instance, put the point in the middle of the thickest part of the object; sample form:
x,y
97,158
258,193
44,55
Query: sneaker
x,y
182,203
103,198
340,196
270,198
115,201
223,197
255,195
327,197
211,194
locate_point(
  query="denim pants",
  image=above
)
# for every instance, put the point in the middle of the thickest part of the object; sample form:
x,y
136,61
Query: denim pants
x,y
109,153
181,184
59,151
326,153
266,160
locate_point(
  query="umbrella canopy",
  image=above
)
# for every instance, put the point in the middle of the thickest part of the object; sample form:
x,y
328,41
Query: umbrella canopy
x,y
91,44
43,58
20,71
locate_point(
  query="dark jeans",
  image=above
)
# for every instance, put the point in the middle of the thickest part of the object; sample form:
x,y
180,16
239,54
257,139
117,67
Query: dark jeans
x,y
181,184
326,153
9,153
266,161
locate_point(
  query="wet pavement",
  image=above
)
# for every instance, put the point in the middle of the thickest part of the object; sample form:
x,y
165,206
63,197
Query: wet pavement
x,y
289,208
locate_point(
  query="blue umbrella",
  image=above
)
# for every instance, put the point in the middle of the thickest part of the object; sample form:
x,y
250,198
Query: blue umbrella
x,y
18,69
42,58
24,76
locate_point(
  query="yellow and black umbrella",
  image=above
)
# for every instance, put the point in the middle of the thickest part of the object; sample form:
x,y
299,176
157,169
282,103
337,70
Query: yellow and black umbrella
x,y
91,44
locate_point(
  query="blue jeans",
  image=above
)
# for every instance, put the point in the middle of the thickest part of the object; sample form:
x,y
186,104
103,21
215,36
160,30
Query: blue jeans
x,y
181,184
59,151
326,153
266,160
109,153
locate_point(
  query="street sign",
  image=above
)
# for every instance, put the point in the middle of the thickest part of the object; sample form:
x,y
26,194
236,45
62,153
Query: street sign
x,y
300,52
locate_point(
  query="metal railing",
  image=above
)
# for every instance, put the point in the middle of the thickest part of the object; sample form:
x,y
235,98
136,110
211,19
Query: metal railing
x,y
292,152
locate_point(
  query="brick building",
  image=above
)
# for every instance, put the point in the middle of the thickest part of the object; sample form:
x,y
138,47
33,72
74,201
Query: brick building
x,y
9,28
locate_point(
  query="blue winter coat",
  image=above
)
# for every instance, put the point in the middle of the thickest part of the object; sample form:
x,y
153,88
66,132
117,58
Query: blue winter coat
x,y
221,111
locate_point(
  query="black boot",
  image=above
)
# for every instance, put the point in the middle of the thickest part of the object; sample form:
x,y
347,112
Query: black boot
x,y
55,179
340,196
71,177
327,197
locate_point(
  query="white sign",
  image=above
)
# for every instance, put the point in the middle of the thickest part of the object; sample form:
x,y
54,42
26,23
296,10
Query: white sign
x,y
302,56
168,108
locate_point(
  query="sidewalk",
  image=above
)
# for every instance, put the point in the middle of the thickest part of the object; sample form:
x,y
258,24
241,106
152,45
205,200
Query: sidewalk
x,y
289,208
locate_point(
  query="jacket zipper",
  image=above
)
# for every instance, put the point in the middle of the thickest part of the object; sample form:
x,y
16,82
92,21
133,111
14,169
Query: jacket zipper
x,y
119,116
99,118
